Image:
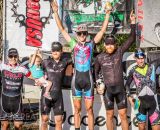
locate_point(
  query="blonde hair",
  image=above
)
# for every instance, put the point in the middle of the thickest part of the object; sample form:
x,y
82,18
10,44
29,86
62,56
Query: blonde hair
x,y
37,56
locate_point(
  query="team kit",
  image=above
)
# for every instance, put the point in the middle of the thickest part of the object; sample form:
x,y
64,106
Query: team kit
x,y
49,73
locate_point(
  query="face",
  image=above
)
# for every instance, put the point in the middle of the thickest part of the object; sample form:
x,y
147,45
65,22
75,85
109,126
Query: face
x,y
56,55
140,61
13,59
110,48
82,36
37,61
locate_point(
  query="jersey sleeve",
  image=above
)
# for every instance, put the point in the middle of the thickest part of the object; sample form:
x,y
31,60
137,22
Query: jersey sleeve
x,y
128,82
26,72
97,68
130,40
72,43
44,65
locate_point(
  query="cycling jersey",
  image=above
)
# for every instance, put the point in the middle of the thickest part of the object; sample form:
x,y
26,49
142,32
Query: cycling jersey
x,y
145,81
112,71
82,78
12,79
111,64
55,73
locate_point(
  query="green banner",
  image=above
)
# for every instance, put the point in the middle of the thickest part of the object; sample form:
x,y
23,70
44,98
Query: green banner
x,y
77,18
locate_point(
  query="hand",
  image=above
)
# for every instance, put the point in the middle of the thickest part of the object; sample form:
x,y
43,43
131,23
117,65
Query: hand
x,y
100,91
54,6
132,17
37,82
130,99
108,7
38,51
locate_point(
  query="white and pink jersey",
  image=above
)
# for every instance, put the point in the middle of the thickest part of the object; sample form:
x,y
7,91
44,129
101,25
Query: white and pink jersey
x,y
12,79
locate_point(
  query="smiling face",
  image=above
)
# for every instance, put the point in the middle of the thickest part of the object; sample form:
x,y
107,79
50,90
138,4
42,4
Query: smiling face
x,y
13,59
110,48
38,61
140,62
56,55
82,36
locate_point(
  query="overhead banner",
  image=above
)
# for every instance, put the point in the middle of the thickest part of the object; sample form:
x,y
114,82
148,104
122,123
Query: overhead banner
x,y
28,25
92,13
148,23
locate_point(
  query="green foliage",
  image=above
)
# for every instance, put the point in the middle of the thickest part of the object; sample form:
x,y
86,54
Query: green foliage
x,y
120,39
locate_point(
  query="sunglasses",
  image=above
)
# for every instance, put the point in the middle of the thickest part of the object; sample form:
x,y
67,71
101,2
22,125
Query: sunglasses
x,y
84,33
13,56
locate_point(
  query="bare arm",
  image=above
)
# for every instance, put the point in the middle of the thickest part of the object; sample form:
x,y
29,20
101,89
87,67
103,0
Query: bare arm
x,y
59,22
100,34
33,58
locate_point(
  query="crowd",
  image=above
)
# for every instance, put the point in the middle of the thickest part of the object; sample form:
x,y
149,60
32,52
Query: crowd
x,y
49,73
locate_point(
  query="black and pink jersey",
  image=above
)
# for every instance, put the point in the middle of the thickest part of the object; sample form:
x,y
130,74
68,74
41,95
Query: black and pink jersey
x,y
12,79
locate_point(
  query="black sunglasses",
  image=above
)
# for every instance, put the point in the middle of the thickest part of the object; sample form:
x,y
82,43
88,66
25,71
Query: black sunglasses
x,y
11,56
84,33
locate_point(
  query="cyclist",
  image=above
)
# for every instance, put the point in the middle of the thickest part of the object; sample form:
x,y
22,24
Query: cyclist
x,y
11,94
110,64
82,78
144,77
54,69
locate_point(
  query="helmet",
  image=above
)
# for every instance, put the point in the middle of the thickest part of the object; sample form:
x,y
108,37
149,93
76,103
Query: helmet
x,y
139,53
82,28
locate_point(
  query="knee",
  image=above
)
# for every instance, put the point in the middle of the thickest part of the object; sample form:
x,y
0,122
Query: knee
x,y
110,116
4,124
18,125
45,121
141,127
77,110
89,110
123,116
58,121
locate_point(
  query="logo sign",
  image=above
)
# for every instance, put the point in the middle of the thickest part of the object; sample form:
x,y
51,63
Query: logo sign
x,y
29,24
148,21
99,115
92,13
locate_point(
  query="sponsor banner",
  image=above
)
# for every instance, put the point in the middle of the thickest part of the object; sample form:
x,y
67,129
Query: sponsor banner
x,y
92,13
29,24
99,115
148,23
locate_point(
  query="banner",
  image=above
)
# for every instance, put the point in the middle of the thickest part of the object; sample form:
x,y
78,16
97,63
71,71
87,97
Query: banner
x,y
148,23
29,24
99,115
92,13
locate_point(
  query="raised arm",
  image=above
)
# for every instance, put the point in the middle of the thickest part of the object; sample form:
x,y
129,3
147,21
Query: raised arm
x,y
132,36
100,34
33,58
59,22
